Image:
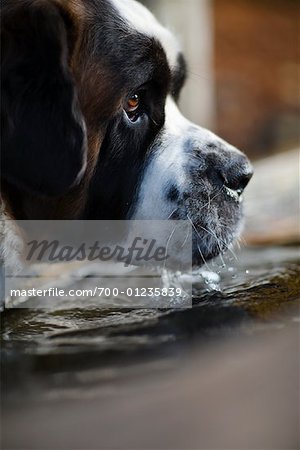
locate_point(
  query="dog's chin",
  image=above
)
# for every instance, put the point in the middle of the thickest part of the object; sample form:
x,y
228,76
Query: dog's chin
x,y
202,254
215,230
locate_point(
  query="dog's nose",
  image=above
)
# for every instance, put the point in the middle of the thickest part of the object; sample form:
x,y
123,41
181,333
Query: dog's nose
x,y
227,165
237,175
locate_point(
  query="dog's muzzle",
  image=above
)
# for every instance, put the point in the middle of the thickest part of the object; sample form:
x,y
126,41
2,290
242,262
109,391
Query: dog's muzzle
x,y
195,175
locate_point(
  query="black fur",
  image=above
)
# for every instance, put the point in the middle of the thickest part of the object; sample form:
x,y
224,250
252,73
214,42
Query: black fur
x,y
43,139
138,64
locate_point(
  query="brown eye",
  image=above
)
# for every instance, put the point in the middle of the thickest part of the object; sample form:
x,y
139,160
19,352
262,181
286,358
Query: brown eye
x,y
133,103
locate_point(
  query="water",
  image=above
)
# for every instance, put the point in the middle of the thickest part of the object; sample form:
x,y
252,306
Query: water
x,y
120,378
49,350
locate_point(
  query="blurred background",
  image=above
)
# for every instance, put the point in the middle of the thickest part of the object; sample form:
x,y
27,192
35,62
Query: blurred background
x,y
244,68
244,84
225,373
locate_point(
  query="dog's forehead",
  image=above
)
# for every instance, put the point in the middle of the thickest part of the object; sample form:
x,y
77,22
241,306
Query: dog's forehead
x,y
142,20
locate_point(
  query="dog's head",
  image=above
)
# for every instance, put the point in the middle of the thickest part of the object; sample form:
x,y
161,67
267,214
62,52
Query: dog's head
x,y
90,91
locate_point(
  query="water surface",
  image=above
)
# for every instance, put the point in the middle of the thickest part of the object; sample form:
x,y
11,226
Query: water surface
x,y
46,350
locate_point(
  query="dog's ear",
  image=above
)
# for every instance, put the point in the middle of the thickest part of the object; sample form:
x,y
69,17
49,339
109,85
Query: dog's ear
x,y
43,131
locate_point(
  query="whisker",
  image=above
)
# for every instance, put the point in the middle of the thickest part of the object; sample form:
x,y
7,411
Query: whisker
x,y
193,74
186,238
212,198
200,252
227,247
176,209
167,245
152,120
218,242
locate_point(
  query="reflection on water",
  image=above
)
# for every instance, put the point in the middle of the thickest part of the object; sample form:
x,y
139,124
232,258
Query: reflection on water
x,y
253,290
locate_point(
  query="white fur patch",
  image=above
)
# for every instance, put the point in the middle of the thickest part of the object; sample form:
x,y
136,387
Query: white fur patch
x,y
11,245
169,163
142,20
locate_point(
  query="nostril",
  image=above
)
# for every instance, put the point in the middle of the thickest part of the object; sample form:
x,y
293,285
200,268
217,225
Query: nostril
x,y
245,178
238,179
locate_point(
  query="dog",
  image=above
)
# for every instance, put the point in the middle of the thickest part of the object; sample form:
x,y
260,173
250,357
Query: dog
x,y
91,127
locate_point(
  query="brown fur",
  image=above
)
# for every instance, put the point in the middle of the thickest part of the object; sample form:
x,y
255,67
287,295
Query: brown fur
x,y
97,103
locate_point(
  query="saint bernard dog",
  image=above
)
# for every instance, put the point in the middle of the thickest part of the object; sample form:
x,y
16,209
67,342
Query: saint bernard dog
x,y
91,127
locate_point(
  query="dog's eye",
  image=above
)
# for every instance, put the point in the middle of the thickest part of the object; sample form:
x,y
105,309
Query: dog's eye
x,y
133,103
132,107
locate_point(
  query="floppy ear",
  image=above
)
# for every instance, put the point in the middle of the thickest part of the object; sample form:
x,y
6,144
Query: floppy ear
x,y
43,131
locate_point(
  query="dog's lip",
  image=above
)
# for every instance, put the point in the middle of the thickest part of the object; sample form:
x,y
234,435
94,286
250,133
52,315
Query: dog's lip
x,y
236,195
